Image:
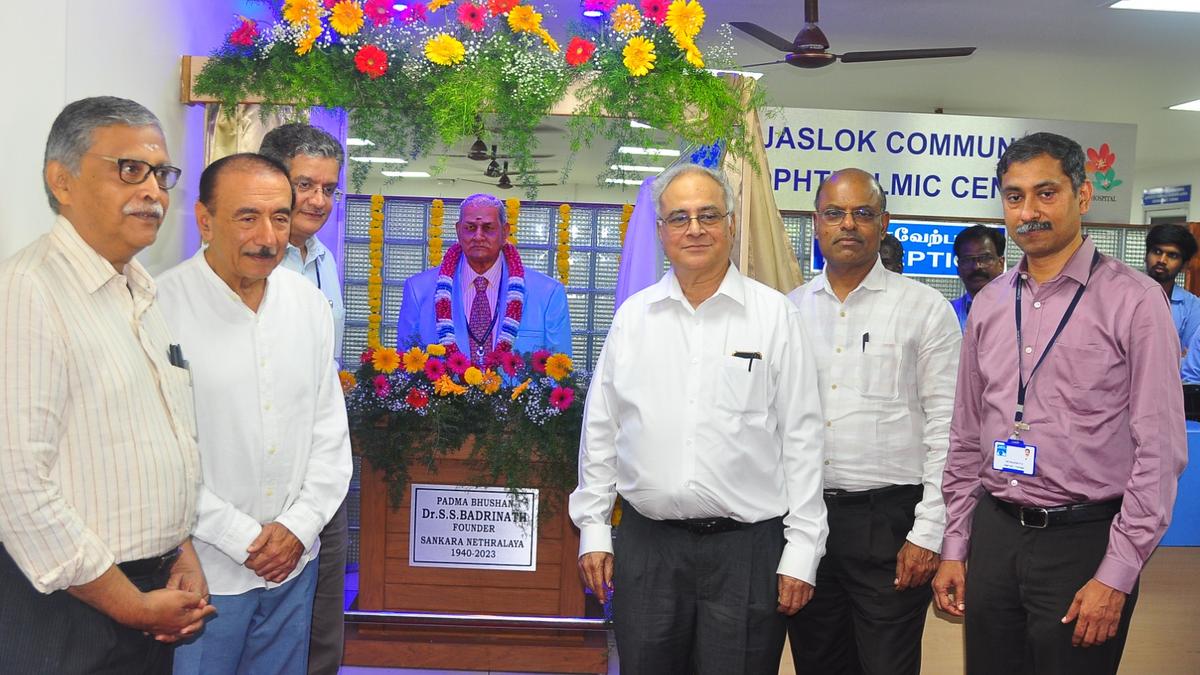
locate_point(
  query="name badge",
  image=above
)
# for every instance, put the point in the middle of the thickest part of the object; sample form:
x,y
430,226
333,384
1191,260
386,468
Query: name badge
x,y
1015,456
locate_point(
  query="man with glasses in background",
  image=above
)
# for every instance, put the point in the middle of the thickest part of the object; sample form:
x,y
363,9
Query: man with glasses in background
x,y
313,159
979,250
887,355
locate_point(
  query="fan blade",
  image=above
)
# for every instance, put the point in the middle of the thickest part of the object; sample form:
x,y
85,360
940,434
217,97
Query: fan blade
x,y
763,35
756,65
902,54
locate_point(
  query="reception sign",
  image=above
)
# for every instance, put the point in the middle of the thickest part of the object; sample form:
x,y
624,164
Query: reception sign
x,y
473,527
934,165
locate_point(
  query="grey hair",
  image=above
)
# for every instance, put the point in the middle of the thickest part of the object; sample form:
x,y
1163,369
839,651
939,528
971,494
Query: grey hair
x,y
285,142
71,133
667,177
880,195
487,201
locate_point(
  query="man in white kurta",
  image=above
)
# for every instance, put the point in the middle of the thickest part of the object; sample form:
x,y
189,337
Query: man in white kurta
x,y
274,442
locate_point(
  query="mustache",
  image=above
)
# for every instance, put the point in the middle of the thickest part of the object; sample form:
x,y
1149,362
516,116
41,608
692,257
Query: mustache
x,y
151,209
1034,226
264,252
849,237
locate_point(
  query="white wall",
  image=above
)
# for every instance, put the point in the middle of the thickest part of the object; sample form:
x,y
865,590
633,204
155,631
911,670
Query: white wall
x,y
1158,176
65,50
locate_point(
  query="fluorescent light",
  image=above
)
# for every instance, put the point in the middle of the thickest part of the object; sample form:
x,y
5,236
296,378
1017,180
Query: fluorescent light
x,y
1193,106
623,181
637,167
1158,5
358,141
634,124
743,73
593,13
399,6
405,174
379,160
658,152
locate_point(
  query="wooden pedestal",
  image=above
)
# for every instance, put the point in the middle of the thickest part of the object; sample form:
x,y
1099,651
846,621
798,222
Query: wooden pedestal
x,y
386,582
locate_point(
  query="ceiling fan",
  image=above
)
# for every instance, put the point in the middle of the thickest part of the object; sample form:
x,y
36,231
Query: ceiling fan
x,y
505,183
810,49
493,167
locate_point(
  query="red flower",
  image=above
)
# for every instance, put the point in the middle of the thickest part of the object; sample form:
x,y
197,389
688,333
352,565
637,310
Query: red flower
x,y
538,360
330,3
1100,160
458,363
414,13
511,363
579,50
471,16
371,60
561,397
417,398
605,6
367,356
382,386
434,369
498,7
379,11
655,10
244,35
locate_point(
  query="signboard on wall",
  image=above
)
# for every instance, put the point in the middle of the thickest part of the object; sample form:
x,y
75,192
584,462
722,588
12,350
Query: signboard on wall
x,y
934,165
473,527
928,247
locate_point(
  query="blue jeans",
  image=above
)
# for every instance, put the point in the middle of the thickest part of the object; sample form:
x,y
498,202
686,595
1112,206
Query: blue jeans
x,y
259,632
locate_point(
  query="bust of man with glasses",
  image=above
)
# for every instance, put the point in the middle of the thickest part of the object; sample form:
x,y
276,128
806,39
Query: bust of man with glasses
x,y
314,163
887,357
979,250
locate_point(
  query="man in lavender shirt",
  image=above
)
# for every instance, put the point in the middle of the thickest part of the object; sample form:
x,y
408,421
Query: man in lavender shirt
x,y
1054,506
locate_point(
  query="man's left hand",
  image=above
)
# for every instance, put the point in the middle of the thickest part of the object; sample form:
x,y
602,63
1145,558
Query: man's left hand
x,y
793,594
1097,607
914,566
186,575
274,553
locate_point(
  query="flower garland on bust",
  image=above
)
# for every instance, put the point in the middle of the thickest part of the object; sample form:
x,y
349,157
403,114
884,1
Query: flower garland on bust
x,y
375,276
564,243
437,217
512,210
513,308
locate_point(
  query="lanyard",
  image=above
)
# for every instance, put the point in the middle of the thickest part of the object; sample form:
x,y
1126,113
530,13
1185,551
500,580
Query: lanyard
x,y
1023,384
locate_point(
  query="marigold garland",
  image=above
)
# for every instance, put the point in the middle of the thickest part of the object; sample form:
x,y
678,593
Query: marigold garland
x,y
512,209
375,276
437,218
626,214
564,243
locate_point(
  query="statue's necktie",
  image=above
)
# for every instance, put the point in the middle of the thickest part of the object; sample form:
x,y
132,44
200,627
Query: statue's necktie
x,y
479,324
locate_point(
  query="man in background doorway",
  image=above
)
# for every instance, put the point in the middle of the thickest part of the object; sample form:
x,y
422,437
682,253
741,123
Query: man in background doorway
x,y
979,250
1169,247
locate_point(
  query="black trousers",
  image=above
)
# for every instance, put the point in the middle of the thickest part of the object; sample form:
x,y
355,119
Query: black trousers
x,y
857,623
702,603
328,632
1020,583
58,634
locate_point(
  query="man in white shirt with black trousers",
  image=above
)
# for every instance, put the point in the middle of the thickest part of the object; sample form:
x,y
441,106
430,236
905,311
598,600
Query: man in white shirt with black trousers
x,y
703,414
274,440
887,359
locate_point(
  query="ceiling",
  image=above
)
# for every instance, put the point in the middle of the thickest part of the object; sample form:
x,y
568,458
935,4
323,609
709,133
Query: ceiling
x,y
1053,59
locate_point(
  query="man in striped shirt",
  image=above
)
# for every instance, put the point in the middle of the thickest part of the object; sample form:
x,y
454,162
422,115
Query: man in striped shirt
x,y
98,462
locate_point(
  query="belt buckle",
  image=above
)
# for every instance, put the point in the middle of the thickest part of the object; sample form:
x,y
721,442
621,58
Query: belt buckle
x,y
1034,509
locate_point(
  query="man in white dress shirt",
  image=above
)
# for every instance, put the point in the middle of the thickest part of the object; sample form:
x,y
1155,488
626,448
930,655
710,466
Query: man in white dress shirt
x,y
314,162
274,441
887,359
703,415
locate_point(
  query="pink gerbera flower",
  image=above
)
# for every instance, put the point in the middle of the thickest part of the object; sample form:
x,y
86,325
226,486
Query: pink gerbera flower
x,y
655,10
539,359
382,386
471,16
434,369
561,397
458,363
379,11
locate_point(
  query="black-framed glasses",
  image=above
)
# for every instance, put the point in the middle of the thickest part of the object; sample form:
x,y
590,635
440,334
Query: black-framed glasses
x,y
331,192
982,260
861,216
707,220
135,171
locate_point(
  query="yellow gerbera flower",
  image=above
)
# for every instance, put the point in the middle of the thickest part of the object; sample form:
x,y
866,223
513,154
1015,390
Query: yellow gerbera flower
x,y
444,50
559,366
491,382
435,5
348,381
520,388
385,359
297,12
524,19
639,56
473,376
692,53
436,350
414,360
445,387
685,18
626,20
347,17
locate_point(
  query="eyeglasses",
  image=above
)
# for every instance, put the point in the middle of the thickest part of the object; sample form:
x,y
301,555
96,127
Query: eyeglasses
x,y
861,216
331,192
707,220
135,171
983,260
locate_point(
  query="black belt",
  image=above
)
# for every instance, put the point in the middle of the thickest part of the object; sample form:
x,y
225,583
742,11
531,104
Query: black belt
x,y
707,525
148,567
876,495
1038,517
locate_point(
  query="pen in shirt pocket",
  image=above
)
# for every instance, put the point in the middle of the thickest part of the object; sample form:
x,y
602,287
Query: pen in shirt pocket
x,y
749,356
865,340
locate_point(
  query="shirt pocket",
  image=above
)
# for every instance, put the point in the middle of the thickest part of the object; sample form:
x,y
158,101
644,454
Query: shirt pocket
x,y
741,385
880,365
1089,380
177,388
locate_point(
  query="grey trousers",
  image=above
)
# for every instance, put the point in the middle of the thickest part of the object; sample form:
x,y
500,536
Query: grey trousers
x,y
327,636
697,603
